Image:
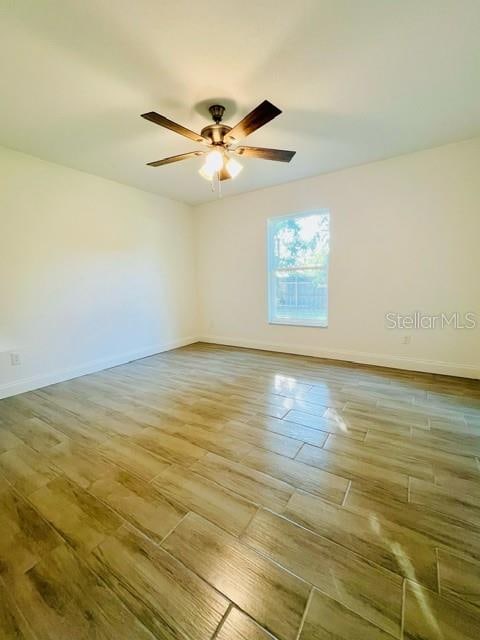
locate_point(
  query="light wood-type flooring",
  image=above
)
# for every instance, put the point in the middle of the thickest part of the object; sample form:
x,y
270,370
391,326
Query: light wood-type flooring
x,y
214,492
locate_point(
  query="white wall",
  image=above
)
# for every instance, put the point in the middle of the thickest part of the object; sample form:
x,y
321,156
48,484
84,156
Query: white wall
x,y
92,273
405,237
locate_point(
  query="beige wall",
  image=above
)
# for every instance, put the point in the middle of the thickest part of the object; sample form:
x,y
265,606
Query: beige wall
x,y
92,273
405,237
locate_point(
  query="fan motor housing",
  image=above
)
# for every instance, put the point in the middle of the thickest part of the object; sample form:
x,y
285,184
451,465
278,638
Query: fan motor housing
x,y
216,132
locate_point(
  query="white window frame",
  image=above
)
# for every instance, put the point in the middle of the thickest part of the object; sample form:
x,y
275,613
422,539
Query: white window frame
x,y
271,270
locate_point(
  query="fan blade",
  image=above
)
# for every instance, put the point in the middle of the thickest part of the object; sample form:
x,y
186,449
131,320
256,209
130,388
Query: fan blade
x,y
182,156
155,117
266,154
253,121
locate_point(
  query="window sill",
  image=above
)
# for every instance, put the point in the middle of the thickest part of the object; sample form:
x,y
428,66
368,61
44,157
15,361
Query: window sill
x,y
300,323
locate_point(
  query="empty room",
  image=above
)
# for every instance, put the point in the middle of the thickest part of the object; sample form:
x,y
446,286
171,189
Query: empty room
x,y
240,320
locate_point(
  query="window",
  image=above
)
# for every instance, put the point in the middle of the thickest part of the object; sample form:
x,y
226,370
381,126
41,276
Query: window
x,y
298,248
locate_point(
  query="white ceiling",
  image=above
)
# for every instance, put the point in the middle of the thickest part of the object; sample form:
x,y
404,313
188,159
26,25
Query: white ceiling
x,y
357,80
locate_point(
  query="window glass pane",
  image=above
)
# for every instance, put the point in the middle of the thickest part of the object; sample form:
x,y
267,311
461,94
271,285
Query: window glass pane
x,y
301,295
300,241
298,274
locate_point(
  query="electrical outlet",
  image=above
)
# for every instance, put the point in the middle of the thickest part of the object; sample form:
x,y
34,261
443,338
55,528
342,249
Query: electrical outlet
x,y
15,359
406,339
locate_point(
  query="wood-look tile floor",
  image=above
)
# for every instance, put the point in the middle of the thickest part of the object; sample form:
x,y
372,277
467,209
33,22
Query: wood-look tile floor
x,y
213,492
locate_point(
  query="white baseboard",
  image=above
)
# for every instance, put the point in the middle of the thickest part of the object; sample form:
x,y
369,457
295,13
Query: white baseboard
x,y
396,362
382,360
44,379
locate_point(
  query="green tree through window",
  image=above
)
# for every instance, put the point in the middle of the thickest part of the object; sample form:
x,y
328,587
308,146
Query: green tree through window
x,y
298,268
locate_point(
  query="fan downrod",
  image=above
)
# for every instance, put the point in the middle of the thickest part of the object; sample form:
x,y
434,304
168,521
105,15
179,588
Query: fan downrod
x,y
216,132
217,111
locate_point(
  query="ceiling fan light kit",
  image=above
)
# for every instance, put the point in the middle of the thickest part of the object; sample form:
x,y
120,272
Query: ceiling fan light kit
x,y
221,142
233,167
214,161
219,162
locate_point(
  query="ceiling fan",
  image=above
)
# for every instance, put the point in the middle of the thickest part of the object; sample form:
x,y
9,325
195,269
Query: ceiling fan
x,y
222,141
